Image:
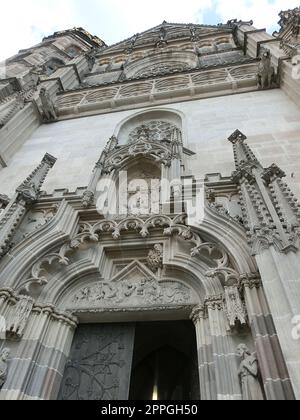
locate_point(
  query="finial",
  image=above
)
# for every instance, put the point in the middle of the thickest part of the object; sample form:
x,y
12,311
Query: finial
x,y
237,137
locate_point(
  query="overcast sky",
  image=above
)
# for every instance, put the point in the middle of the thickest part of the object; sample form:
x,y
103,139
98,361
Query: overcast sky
x,y
25,22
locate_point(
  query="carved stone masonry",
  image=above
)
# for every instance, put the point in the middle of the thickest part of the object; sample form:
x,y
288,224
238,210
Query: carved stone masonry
x,y
266,76
4,356
234,307
271,213
21,313
155,258
249,375
26,194
48,110
89,194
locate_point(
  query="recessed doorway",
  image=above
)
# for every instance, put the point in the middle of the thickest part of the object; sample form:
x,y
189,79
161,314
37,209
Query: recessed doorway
x,y
165,365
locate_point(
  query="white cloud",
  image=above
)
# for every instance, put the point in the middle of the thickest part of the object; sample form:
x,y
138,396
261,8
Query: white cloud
x,y
24,23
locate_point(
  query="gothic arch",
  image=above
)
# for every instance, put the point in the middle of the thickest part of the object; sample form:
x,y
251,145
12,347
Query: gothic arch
x,y
166,61
126,126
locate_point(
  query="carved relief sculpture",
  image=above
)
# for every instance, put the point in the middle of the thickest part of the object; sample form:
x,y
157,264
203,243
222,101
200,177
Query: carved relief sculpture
x,y
235,309
266,72
20,317
155,258
4,356
249,375
138,292
49,112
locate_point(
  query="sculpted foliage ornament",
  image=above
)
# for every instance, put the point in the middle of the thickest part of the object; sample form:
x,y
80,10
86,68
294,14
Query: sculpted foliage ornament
x,y
155,258
144,291
93,233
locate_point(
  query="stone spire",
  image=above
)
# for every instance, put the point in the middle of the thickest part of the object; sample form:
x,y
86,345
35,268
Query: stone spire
x,y
89,194
26,195
271,213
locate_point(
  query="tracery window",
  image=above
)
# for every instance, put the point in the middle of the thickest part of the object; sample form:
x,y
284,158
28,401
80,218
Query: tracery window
x,y
154,130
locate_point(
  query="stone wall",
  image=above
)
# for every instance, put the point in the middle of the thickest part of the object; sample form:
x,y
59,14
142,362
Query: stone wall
x,y
269,118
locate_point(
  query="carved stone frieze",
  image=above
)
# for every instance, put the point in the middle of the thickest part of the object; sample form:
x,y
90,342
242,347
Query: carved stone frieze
x,y
133,293
266,76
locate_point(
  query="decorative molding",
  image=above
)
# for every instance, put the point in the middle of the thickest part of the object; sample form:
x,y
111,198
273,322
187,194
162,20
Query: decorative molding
x,y
133,292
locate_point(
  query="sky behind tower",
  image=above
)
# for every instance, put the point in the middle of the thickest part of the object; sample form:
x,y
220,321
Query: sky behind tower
x,y
25,23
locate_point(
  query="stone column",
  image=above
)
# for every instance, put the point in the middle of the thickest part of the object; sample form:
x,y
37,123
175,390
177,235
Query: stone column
x,y
207,374
275,377
224,352
37,366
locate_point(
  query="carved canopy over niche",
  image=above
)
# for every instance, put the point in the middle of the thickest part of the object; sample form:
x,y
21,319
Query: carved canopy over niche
x,y
154,130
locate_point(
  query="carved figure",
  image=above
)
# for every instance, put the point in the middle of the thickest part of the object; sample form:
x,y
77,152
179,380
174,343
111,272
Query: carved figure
x,y
4,366
249,375
48,108
266,72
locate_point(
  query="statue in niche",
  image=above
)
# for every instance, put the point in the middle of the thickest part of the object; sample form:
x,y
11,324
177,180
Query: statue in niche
x,y
4,366
48,108
266,72
249,375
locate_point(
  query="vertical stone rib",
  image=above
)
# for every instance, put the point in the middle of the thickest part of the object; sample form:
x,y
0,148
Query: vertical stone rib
x,y
274,372
207,374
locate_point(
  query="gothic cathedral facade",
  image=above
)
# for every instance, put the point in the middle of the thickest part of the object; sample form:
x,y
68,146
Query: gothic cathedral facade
x,y
149,221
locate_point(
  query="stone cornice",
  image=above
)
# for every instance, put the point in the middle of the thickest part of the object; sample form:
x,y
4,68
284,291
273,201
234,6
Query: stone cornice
x,y
203,69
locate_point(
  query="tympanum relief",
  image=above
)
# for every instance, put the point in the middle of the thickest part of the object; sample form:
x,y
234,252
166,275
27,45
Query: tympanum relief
x,y
137,289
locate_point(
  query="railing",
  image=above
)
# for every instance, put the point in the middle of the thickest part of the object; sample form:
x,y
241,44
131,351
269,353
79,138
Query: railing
x,y
191,84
